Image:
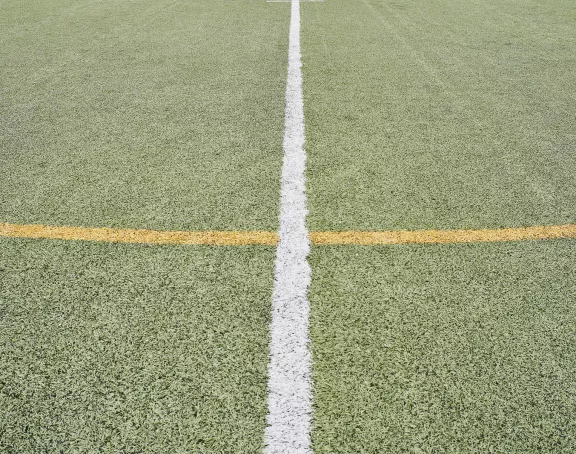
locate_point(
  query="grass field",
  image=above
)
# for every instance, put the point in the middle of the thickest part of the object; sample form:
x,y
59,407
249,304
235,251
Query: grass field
x,y
114,348
451,348
142,114
447,114
169,115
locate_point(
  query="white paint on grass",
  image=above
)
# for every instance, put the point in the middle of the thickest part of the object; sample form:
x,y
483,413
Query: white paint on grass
x,y
290,1
289,382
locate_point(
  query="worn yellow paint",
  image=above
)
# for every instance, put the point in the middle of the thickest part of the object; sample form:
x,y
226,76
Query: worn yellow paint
x,y
217,238
445,236
223,238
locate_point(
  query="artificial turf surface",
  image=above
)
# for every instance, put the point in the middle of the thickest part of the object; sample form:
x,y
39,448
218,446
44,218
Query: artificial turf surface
x,y
127,348
439,114
163,114
140,114
434,115
169,115
452,348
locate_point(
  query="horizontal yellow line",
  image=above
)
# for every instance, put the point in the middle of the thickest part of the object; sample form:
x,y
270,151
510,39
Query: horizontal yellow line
x,y
223,238
445,236
218,238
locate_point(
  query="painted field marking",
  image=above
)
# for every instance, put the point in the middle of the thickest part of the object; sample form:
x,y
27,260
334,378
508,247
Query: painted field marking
x,y
290,1
547,232
217,238
289,369
264,238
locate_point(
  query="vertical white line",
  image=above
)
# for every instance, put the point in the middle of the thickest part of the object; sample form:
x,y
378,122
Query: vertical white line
x,y
289,383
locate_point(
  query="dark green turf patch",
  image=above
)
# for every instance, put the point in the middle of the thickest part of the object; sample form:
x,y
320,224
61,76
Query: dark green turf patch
x,y
439,114
162,114
126,348
455,348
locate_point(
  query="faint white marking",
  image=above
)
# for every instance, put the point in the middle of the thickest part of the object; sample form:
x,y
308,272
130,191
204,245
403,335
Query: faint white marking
x,y
290,1
289,382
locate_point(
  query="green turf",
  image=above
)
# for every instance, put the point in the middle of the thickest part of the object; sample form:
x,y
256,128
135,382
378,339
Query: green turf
x,y
162,114
439,114
454,348
168,114
127,348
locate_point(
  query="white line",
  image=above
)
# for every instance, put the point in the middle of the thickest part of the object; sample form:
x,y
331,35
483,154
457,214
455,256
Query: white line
x,y
289,383
290,1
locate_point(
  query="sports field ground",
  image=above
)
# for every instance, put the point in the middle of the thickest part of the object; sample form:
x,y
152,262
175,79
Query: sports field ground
x,y
338,226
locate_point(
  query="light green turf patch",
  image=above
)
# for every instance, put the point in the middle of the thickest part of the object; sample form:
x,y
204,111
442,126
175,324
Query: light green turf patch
x,y
440,114
115,348
456,348
164,114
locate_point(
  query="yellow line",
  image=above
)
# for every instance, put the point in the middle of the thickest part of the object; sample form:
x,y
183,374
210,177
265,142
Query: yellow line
x,y
445,236
218,238
223,238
